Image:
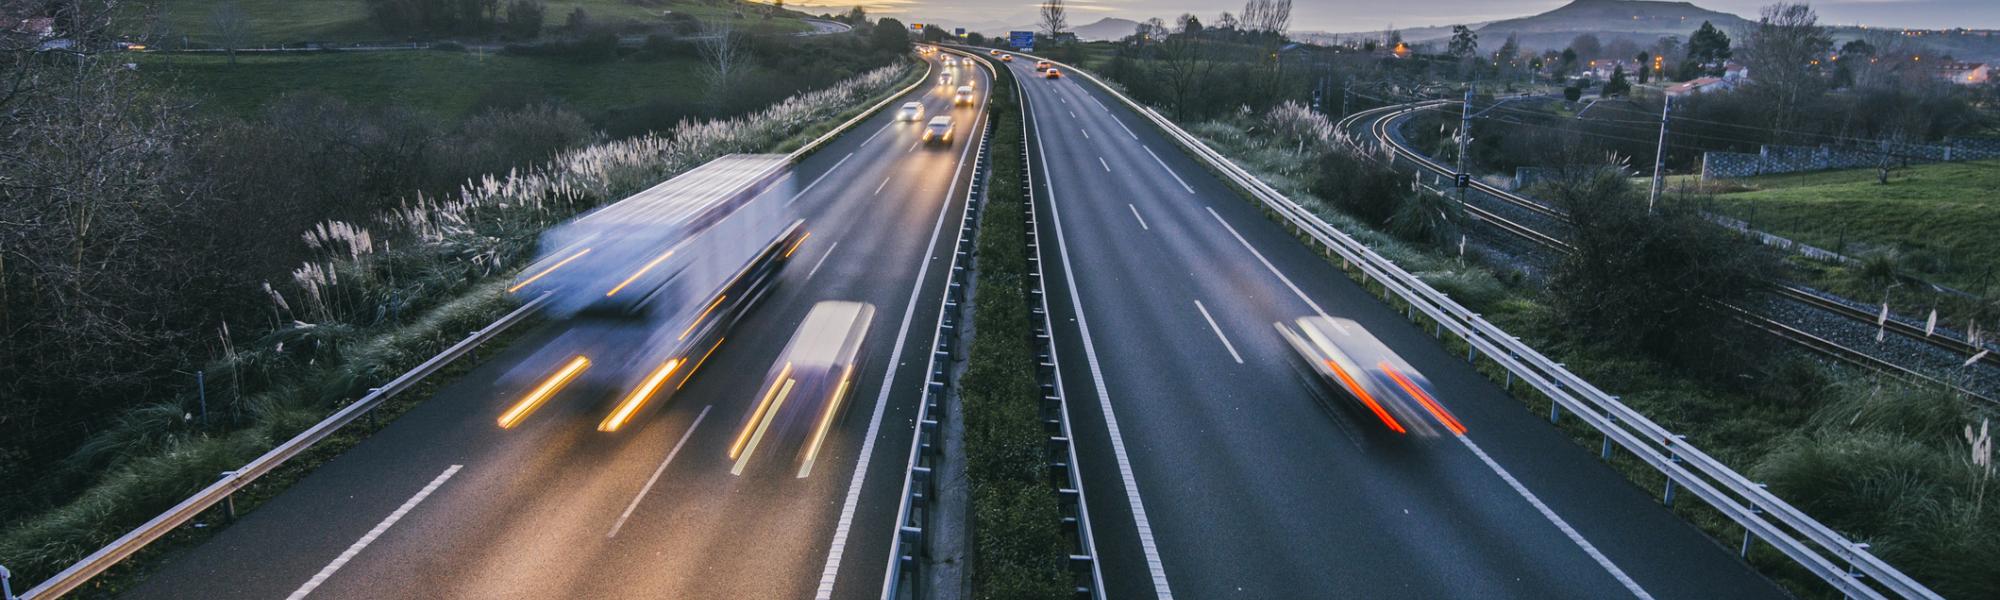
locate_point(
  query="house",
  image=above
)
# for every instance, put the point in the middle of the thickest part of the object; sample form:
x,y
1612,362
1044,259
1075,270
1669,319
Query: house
x,y
1965,73
1735,71
1698,86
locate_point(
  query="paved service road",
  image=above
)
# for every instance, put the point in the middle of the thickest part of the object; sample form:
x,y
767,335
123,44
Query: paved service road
x,y
1251,479
444,504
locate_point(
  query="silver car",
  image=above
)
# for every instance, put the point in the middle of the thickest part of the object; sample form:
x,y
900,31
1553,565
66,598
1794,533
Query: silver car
x,y
911,111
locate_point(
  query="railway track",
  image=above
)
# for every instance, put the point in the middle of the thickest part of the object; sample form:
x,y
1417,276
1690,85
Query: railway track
x,y
1381,120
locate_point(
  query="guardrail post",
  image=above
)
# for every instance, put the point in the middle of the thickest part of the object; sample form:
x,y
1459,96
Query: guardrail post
x,y
6,584
1755,510
1555,411
229,500
1605,453
1674,457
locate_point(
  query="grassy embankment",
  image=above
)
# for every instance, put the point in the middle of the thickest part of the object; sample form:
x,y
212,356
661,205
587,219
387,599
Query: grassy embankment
x,y
1936,220
449,264
1883,463
1019,550
292,21
451,85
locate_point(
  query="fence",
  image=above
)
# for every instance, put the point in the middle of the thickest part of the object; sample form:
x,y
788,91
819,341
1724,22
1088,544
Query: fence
x,y
1775,159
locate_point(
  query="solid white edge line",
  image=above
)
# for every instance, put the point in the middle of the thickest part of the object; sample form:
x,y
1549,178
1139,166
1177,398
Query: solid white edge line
x,y
1170,170
656,473
838,548
1218,332
1602,561
1145,528
816,180
379,529
822,260
1135,215
1120,122
1267,263
1520,489
1100,104
871,138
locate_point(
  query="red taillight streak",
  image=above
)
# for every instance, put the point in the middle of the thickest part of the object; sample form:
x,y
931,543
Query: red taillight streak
x,y
1362,393
1429,403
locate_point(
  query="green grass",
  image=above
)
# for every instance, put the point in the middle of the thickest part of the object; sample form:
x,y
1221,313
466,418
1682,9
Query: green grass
x,y
290,21
1945,212
449,84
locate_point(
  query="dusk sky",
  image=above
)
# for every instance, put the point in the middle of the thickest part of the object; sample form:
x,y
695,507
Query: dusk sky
x,y
1362,15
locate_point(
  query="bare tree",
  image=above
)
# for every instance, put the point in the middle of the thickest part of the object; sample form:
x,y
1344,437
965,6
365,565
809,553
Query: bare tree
x,y
230,26
1228,21
1184,58
1055,18
1784,51
724,57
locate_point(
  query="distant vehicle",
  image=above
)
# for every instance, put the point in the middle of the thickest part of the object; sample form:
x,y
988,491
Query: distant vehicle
x,y
938,130
1006,58
944,78
1043,65
1347,357
994,52
1052,73
911,111
963,96
807,386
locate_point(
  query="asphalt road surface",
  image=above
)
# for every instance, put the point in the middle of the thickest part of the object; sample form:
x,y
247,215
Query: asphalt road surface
x,y
1217,467
442,503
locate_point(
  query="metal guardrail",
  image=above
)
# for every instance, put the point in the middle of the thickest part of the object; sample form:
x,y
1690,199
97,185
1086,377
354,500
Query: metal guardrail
x,y
1083,558
905,577
220,492
1845,565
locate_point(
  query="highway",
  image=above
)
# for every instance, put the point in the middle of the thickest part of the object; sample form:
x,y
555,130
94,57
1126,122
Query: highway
x,y
443,503
1217,467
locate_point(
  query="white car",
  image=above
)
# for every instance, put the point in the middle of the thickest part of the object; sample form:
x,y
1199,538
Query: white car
x,y
944,78
911,111
938,130
963,96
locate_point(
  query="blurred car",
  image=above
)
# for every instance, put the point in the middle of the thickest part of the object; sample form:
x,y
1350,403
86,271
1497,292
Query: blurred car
x,y
911,111
963,96
1006,58
944,78
1043,65
807,386
1052,73
938,130
1348,358
994,52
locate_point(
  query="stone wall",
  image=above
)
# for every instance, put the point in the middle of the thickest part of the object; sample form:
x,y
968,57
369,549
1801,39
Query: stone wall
x,y
1794,159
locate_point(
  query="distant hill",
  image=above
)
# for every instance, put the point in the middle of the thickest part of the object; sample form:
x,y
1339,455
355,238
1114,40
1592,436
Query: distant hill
x,y
1108,28
1641,21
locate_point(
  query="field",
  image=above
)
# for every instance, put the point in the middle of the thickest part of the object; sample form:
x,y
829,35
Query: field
x,y
1937,219
290,21
447,84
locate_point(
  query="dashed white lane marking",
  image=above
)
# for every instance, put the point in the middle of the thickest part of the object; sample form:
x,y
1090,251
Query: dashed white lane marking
x,y
913,146
377,532
1145,527
1602,561
822,176
885,183
822,260
656,473
1085,132
1135,215
1575,537
1218,332
1107,166
1170,170
1072,114
838,548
